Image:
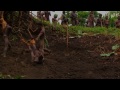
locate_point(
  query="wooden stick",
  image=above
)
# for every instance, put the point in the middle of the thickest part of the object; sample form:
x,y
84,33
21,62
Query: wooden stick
x,y
67,37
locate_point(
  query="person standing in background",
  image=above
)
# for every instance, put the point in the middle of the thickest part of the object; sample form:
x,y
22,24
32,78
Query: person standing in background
x,y
99,21
73,17
47,15
39,15
62,18
90,20
106,22
117,23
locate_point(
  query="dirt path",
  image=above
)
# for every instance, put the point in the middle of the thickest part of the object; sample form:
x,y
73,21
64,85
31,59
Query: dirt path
x,y
83,61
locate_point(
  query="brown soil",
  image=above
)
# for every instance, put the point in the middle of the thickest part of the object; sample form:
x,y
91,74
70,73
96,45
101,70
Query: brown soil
x,y
81,60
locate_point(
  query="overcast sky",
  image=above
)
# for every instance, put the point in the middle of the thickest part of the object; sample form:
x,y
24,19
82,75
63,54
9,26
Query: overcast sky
x,y
60,12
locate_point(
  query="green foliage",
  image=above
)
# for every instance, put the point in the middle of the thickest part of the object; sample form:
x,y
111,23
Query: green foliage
x,y
107,54
112,21
115,47
67,14
10,77
83,14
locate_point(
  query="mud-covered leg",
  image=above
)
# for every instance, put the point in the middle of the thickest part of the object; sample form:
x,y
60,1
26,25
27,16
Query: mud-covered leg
x,y
7,44
41,49
32,54
7,30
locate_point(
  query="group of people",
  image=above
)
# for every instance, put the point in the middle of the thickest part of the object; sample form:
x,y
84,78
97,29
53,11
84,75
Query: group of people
x,y
90,22
99,22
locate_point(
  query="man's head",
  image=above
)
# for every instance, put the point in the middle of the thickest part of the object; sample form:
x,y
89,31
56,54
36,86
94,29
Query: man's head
x,y
43,15
106,17
66,20
73,11
63,12
100,15
91,12
119,17
55,15
79,19
91,15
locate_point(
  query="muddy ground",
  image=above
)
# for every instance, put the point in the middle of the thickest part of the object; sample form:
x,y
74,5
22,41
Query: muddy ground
x,y
82,60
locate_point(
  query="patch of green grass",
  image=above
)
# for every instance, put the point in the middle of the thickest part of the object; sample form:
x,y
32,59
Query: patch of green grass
x,y
73,30
2,76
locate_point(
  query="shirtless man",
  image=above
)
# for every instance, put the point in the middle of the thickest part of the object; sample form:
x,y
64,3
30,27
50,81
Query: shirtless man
x,y
62,18
54,21
40,39
73,17
6,30
106,22
44,18
117,23
36,45
99,21
47,15
39,15
91,20
78,21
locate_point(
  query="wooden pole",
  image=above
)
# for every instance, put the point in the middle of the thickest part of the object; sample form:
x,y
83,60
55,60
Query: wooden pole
x,y
67,36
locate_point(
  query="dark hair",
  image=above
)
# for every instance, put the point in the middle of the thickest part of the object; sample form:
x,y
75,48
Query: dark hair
x,y
63,12
66,20
119,17
106,16
100,14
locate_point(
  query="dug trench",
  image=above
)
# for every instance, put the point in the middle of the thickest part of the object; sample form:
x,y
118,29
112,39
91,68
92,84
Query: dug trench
x,y
82,60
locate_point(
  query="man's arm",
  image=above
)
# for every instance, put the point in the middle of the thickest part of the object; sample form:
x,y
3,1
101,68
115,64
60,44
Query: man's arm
x,y
60,18
49,13
41,32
